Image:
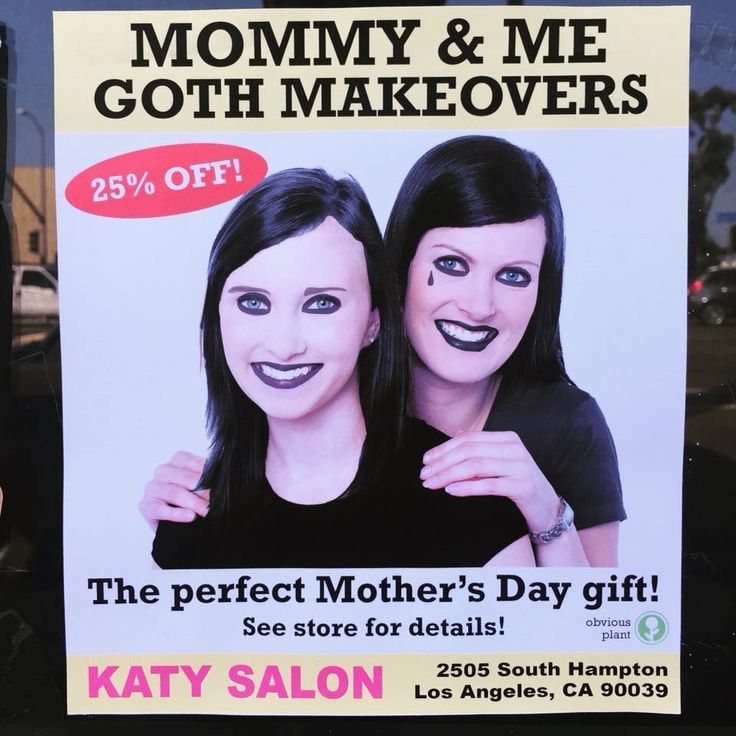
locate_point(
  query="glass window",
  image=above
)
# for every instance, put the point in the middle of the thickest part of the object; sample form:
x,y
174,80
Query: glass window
x,y
34,241
36,278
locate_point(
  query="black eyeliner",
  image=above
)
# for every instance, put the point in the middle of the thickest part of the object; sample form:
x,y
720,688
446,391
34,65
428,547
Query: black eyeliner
x,y
451,272
336,304
517,284
256,297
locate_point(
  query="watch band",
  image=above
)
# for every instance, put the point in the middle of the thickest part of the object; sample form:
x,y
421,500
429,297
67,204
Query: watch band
x,y
564,522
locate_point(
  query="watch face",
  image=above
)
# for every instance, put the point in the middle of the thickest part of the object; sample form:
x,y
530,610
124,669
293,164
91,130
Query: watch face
x,y
568,515
564,522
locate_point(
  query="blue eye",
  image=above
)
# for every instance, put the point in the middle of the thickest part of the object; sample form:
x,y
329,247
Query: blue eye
x,y
452,265
514,277
256,304
322,304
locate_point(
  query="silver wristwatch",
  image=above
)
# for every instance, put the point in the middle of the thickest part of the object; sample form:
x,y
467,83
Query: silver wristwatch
x,y
564,522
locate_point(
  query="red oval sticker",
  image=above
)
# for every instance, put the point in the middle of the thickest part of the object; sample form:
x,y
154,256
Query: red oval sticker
x,y
166,180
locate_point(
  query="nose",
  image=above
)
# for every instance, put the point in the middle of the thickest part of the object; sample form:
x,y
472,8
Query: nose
x,y
287,341
478,301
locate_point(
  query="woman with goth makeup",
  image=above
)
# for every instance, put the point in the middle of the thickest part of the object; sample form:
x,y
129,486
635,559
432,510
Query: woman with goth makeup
x,y
303,353
477,232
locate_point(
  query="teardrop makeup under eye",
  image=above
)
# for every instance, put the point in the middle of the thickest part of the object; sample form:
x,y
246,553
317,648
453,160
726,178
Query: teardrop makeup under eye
x,y
322,304
452,265
515,276
254,303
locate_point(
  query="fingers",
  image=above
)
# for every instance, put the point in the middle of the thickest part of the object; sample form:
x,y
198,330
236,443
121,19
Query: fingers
x,y
170,502
154,511
486,463
473,468
179,515
188,460
177,475
170,496
482,487
175,495
478,457
495,438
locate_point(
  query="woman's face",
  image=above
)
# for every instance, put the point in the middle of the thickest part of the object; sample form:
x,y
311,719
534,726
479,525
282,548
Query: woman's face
x,y
470,295
294,319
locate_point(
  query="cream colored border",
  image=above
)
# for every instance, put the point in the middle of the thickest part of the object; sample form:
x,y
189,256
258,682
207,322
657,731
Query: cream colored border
x,y
402,674
94,46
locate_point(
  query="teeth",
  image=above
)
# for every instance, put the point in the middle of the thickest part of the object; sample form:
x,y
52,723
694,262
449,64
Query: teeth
x,y
460,333
282,375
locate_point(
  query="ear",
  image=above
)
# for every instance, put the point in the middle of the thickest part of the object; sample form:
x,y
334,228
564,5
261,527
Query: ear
x,y
374,325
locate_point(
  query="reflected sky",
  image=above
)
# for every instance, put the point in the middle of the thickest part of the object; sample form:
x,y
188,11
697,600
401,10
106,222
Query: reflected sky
x,y
713,61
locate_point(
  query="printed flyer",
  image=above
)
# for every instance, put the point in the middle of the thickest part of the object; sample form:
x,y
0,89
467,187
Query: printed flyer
x,y
373,340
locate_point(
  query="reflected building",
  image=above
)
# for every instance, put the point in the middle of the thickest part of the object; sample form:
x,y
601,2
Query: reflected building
x,y
28,225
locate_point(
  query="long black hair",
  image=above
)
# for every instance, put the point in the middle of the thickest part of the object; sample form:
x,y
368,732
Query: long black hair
x,y
284,205
480,180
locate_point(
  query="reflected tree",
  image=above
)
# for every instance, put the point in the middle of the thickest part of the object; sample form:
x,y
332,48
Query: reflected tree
x,y
709,154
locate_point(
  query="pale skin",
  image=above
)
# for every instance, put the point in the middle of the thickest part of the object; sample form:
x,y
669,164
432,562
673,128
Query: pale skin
x,y
168,495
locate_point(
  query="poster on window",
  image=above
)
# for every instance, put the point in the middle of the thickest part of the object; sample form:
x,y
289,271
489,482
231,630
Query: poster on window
x,y
373,338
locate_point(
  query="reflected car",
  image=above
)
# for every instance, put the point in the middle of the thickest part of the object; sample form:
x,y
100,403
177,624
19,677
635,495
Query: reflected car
x,y
35,293
712,296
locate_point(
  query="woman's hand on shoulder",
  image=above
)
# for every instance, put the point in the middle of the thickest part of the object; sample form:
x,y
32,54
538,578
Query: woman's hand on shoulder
x,y
493,464
169,495
498,464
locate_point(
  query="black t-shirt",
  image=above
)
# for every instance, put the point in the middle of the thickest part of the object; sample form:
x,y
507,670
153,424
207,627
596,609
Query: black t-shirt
x,y
396,523
565,432
434,529
264,530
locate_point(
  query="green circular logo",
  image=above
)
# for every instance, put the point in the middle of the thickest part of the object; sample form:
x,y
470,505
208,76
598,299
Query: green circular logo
x,y
651,627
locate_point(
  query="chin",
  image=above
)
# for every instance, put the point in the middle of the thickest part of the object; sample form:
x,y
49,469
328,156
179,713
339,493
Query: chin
x,y
292,412
455,371
461,375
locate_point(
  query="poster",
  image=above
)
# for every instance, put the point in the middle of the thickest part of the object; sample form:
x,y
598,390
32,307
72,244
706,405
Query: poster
x,y
163,120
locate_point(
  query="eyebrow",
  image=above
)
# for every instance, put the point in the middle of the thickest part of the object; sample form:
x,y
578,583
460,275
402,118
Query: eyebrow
x,y
445,246
470,259
239,289
307,292
318,289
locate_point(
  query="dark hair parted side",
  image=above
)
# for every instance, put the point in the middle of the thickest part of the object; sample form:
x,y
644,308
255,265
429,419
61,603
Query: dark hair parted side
x,y
285,205
480,180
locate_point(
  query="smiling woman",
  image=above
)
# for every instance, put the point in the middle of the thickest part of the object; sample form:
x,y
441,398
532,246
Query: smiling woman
x,y
477,230
482,299
289,321
289,334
